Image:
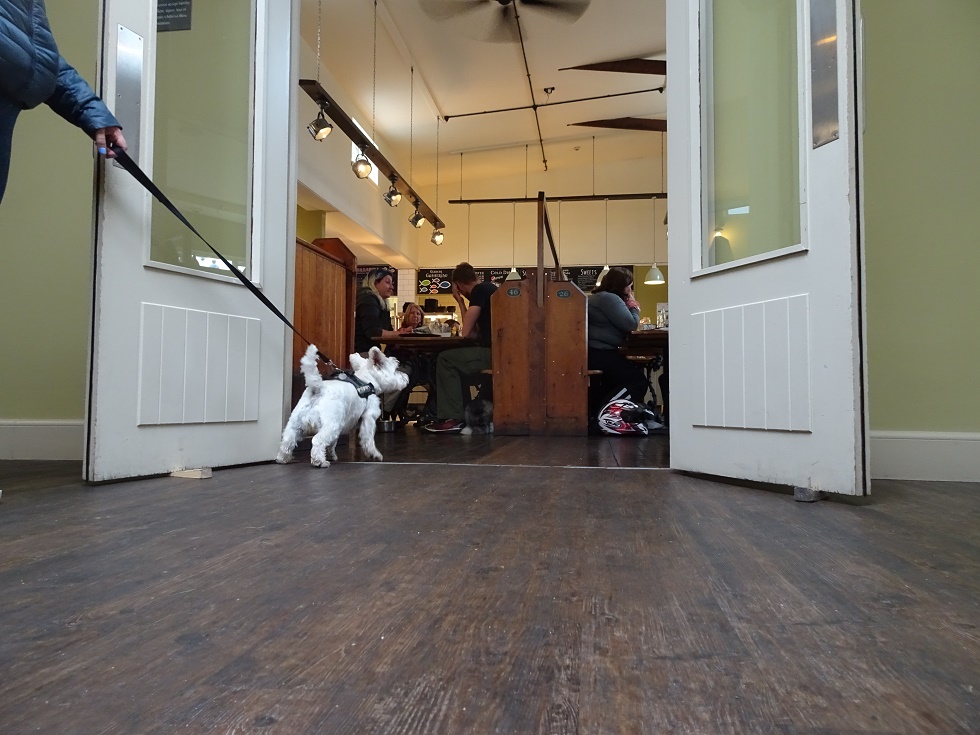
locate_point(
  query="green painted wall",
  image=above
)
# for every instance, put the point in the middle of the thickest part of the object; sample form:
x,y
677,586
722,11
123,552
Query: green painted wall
x,y
46,240
922,167
309,224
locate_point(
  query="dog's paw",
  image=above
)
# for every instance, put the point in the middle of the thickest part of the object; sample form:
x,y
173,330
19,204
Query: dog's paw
x,y
319,462
374,456
466,431
283,458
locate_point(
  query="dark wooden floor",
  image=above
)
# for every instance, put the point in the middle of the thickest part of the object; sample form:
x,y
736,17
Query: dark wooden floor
x,y
397,598
414,445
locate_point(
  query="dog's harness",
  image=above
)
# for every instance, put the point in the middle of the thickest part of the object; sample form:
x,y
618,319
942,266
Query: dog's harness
x,y
363,388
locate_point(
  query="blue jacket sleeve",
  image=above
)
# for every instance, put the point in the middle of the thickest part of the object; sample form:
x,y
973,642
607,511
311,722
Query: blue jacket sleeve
x,y
75,101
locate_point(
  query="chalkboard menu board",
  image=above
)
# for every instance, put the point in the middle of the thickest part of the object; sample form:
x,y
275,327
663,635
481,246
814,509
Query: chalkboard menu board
x,y
436,280
173,15
363,270
585,276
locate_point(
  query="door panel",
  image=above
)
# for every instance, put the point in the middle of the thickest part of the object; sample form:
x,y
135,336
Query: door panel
x,y
766,343
188,368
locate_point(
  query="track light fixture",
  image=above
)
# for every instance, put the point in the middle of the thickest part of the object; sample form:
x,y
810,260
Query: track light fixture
x,y
393,196
437,237
416,219
320,128
361,166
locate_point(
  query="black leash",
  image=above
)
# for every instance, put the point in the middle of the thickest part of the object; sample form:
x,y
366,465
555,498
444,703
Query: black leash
x,y
363,389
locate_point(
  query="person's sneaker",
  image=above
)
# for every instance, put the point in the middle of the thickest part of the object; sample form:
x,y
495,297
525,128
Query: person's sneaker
x,y
445,426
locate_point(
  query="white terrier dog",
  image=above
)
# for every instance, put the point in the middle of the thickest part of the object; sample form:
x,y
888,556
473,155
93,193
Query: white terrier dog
x,y
329,408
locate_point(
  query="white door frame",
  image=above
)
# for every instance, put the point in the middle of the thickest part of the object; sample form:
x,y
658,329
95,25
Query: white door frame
x,y
189,371
767,373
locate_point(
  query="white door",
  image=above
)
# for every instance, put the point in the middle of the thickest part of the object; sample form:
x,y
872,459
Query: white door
x,y
188,369
767,350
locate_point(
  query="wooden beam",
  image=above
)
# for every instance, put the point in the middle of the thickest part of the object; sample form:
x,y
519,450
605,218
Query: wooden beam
x,y
385,169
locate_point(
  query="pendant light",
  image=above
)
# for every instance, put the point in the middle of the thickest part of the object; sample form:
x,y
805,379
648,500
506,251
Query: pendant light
x,y
319,128
655,276
437,236
417,218
513,275
605,269
361,166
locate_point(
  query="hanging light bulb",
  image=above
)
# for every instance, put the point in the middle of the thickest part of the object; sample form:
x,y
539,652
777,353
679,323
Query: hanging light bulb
x,y
416,219
513,275
437,237
361,166
320,128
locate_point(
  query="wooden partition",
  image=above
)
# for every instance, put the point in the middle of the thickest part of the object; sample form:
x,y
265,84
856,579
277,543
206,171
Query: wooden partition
x,y
324,299
517,400
540,358
566,380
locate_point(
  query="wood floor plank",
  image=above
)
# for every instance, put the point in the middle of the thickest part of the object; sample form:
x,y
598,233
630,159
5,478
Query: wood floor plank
x,y
411,599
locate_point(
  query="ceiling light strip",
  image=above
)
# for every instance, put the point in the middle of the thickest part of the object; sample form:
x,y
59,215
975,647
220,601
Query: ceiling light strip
x,y
343,121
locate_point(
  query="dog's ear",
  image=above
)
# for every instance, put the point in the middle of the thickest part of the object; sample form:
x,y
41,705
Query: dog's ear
x,y
356,361
376,356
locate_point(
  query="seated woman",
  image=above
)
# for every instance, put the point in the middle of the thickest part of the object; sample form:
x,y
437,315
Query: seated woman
x,y
419,366
372,321
413,319
612,314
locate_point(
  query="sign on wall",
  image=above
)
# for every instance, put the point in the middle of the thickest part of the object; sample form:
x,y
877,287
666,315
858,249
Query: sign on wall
x,y
173,15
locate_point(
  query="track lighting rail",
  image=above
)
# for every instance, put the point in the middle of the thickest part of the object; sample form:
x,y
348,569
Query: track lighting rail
x,y
575,198
343,121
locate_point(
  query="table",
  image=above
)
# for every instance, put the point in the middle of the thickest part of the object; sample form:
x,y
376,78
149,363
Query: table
x,y
647,343
427,344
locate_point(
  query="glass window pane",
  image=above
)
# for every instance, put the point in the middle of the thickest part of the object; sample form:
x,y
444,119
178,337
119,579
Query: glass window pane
x,y
752,142
201,146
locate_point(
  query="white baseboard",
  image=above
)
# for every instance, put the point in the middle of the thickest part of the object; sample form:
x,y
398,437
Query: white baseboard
x,y
919,455
63,439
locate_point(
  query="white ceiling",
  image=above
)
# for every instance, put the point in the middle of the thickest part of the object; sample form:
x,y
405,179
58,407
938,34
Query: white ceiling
x,y
457,72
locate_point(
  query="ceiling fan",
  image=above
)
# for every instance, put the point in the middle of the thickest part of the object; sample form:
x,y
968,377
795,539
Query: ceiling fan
x,y
499,25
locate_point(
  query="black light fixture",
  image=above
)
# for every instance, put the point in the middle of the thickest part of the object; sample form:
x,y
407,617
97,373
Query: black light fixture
x,y
393,197
437,235
416,219
320,128
361,166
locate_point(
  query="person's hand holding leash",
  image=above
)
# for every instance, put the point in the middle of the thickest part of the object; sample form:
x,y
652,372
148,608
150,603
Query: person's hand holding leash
x,y
108,138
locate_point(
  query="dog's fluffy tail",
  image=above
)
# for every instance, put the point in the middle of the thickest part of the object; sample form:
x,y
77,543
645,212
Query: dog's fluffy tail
x,y
308,365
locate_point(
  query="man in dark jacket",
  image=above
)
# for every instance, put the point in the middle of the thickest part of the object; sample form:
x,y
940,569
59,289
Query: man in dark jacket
x,y
32,71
